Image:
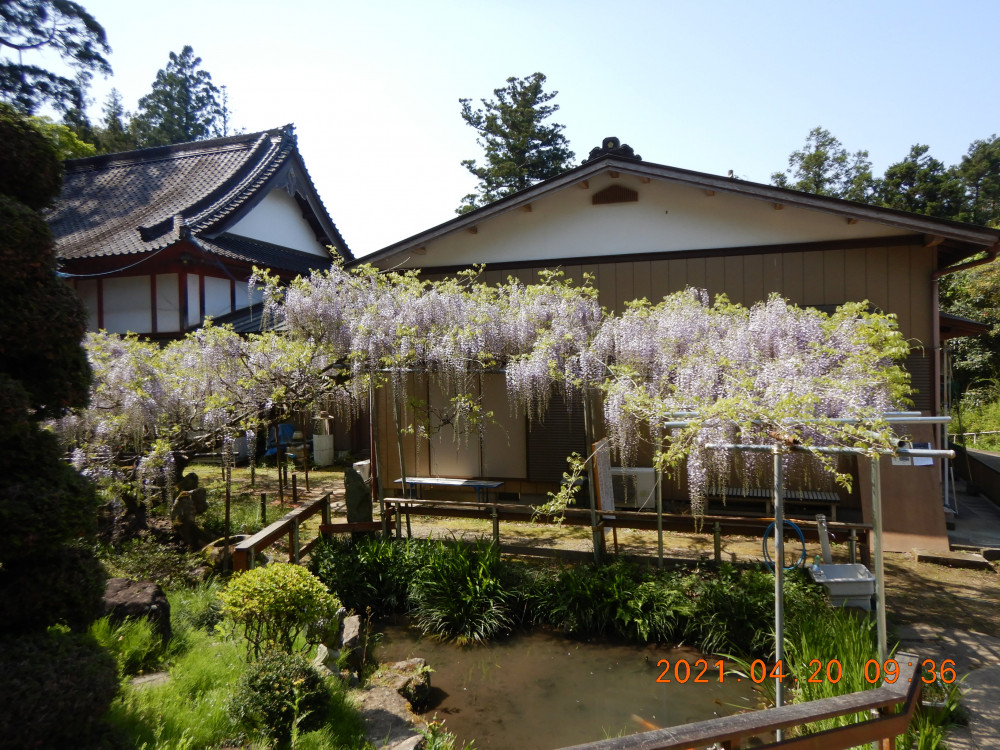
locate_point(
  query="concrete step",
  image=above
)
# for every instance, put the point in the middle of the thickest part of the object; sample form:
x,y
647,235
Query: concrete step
x,y
954,559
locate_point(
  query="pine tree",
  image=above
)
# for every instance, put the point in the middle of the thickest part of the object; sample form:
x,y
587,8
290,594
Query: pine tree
x,y
824,167
115,132
183,105
519,148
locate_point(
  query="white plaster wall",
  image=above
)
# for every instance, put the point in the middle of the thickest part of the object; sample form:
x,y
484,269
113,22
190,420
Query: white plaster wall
x,y
86,289
278,219
168,310
127,305
194,312
667,217
218,299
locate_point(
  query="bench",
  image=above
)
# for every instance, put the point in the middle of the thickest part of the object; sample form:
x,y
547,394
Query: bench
x,y
482,487
793,498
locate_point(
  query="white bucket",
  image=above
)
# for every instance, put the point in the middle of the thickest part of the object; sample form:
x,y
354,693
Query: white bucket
x,y
322,450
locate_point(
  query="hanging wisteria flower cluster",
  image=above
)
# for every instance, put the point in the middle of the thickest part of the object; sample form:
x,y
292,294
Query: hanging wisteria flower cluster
x,y
726,374
396,323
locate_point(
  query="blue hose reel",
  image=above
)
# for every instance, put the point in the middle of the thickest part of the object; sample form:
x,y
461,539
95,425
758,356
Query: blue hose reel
x,y
767,555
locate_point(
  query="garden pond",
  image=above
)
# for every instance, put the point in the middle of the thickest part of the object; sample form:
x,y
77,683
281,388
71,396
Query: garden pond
x,y
540,691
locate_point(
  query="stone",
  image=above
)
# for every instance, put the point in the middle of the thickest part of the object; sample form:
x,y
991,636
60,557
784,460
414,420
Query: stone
x,y
188,482
413,682
326,661
199,495
220,557
182,517
358,499
350,643
125,600
415,742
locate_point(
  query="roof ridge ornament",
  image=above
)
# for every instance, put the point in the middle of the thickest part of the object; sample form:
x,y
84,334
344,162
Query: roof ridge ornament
x,y
613,147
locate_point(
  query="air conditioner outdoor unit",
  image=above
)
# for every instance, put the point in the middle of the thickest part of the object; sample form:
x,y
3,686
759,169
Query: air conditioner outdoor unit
x,y
634,486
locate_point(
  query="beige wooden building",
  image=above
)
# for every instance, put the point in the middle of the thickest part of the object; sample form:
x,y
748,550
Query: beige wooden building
x,y
646,230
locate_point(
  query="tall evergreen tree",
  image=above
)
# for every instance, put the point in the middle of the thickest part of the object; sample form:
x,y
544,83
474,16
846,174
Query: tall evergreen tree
x,y
980,171
520,149
183,105
824,167
37,26
923,185
115,132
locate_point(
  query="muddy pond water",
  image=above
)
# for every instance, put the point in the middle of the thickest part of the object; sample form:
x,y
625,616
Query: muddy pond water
x,y
539,691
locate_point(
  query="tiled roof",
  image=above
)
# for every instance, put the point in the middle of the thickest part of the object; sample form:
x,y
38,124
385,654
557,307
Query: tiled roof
x,y
142,201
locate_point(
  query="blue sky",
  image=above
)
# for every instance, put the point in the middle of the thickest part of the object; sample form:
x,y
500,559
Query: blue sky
x,y
373,87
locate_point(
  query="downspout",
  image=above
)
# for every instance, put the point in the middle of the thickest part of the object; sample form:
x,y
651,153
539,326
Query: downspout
x,y
991,255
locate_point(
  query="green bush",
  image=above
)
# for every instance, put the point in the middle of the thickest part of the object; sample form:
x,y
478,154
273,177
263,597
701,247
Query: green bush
x,y
136,646
460,593
56,688
277,691
272,606
63,587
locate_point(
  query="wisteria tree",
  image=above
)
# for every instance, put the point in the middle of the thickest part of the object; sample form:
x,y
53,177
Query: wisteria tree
x,y
684,373
149,403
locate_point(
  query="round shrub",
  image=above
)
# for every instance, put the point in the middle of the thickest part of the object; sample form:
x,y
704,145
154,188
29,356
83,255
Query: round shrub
x,y
65,586
271,606
56,689
277,690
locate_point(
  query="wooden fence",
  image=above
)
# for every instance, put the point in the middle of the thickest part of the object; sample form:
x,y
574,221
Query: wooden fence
x,y
894,706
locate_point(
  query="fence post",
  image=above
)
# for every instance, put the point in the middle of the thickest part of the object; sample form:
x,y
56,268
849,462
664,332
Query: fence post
x,y
295,540
496,525
295,488
263,509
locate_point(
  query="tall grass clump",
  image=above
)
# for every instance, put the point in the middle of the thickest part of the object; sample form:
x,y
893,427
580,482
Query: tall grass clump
x,y
372,572
460,593
135,644
189,710
586,600
733,610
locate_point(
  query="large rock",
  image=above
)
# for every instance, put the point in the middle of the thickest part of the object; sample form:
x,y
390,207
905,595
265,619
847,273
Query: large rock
x,y
412,680
130,600
350,643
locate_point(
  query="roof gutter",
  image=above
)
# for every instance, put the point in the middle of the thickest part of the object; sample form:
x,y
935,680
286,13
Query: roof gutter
x,y
991,255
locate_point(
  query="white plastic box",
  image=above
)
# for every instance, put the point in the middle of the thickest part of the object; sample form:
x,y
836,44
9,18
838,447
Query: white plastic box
x,y
847,585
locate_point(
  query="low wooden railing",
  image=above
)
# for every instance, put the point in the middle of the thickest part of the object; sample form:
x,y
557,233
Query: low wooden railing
x,y
856,534
245,553
894,704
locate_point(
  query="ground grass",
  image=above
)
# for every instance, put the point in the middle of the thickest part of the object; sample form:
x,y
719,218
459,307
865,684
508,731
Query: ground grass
x,y
191,709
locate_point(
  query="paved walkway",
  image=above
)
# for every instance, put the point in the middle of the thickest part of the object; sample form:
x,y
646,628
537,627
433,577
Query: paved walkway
x,y
976,655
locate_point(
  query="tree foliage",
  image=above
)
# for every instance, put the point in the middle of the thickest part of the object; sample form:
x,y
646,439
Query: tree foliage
x,y
824,167
519,148
37,26
46,508
182,106
922,184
